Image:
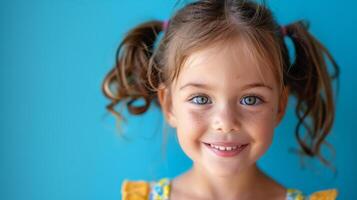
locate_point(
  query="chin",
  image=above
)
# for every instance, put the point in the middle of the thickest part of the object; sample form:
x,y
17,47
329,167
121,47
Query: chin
x,y
226,170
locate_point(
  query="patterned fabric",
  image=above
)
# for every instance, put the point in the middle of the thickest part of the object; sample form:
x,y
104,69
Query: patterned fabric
x,y
142,190
135,190
294,194
160,190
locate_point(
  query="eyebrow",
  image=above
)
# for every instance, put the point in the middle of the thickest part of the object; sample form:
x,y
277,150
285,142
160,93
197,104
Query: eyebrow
x,y
248,86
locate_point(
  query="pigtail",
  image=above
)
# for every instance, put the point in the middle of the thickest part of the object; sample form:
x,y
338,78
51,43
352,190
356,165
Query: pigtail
x,y
309,80
128,80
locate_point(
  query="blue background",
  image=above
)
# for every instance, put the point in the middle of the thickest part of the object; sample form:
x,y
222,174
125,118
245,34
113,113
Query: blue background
x,y
58,142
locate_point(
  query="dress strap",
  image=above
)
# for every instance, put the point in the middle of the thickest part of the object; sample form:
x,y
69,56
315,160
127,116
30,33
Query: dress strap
x,y
160,190
294,194
135,190
144,190
324,195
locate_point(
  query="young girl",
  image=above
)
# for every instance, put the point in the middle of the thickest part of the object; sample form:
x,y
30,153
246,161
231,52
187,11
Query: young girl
x,y
222,76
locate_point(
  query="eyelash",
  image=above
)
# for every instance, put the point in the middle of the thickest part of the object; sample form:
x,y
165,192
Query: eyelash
x,y
257,98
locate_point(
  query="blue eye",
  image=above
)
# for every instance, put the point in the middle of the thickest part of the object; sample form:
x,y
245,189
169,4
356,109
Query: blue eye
x,y
248,100
200,100
251,100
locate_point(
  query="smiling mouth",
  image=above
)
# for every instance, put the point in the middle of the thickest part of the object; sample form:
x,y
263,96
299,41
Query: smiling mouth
x,y
226,149
224,146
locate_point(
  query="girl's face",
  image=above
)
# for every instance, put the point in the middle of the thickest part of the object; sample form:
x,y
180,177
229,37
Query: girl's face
x,y
225,109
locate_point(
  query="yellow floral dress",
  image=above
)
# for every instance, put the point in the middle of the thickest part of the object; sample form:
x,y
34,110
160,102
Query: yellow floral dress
x,y
160,190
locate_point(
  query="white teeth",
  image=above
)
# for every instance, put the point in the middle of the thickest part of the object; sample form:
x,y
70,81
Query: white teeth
x,y
222,148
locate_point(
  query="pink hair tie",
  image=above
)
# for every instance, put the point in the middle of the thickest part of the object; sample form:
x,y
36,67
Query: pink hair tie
x,y
165,24
283,30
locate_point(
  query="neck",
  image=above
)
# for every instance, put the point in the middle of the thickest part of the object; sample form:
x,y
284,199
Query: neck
x,y
238,186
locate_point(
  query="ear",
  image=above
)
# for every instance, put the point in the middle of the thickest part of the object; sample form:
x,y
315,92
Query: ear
x,y
165,101
283,102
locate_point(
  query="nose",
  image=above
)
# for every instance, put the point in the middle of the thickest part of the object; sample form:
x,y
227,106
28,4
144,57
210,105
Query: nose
x,y
226,120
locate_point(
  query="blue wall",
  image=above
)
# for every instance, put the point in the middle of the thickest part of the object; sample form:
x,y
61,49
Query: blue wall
x,y
58,142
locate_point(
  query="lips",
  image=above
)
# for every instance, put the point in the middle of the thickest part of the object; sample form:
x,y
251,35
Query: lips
x,y
226,144
226,149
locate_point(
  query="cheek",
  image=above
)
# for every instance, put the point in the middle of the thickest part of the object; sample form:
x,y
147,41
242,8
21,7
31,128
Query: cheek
x,y
192,125
261,125
260,128
191,119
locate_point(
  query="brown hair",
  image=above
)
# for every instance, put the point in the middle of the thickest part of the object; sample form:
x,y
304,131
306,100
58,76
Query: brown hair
x,y
141,68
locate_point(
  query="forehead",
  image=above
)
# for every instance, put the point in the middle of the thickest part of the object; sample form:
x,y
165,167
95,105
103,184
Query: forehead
x,y
226,63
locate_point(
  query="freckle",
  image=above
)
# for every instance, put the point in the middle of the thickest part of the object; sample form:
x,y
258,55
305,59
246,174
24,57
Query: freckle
x,y
196,116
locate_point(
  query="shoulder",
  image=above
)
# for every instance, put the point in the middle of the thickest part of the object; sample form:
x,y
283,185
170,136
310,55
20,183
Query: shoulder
x,y
330,194
295,194
144,190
